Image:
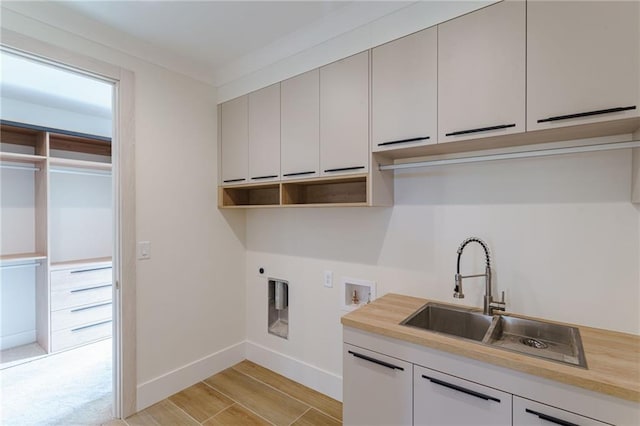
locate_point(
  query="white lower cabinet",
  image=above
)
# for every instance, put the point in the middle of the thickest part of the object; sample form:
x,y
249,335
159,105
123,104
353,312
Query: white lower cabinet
x,y
442,399
531,413
387,384
377,388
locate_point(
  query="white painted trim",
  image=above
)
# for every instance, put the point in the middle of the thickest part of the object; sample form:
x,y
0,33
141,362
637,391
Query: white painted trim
x,y
174,381
18,339
299,371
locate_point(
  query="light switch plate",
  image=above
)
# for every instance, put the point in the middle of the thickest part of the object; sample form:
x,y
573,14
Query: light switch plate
x,y
328,279
144,250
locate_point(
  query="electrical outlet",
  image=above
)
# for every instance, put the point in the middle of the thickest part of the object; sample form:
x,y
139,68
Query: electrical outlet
x,y
328,279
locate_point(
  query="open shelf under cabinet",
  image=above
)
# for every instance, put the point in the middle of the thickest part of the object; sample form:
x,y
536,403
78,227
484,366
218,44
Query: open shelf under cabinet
x,y
348,191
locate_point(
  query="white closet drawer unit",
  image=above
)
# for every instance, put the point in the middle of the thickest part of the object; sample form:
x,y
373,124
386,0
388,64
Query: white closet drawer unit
x,y
80,277
70,337
81,315
82,295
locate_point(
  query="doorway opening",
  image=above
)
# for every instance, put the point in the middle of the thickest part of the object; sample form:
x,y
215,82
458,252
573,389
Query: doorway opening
x,y
58,298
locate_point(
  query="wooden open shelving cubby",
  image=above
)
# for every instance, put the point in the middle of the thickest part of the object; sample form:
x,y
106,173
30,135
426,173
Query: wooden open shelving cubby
x,y
335,191
243,196
343,191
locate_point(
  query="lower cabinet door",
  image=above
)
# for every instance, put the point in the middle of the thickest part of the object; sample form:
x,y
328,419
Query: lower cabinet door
x,y
531,413
441,399
376,388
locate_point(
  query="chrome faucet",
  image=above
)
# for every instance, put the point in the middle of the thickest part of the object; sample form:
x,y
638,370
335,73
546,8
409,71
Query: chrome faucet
x,y
489,304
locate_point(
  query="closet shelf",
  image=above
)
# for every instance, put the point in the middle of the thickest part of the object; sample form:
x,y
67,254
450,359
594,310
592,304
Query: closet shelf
x,y
79,262
21,257
22,158
79,164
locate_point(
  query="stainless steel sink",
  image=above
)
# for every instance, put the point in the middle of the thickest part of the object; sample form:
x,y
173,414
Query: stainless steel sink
x,y
541,339
450,320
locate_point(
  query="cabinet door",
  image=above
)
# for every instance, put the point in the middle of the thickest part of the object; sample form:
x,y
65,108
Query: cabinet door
x,y
404,92
530,413
344,116
481,73
376,388
264,134
582,57
234,140
441,399
300,143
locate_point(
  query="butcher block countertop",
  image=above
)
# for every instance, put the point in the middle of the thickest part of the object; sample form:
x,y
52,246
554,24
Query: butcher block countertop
x,y
613,358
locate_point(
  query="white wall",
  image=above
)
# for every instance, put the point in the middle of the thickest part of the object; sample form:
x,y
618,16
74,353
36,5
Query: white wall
x,y
17,235
80,217
57,118
562,232
190,294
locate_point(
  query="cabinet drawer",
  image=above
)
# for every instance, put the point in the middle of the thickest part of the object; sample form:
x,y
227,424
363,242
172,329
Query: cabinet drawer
x,y
85,295
80,277
531,413
70,337
441,399
77,316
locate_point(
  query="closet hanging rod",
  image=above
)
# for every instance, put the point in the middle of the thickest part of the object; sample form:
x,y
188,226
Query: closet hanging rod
x,y
81,172
513,155
20,265
17,167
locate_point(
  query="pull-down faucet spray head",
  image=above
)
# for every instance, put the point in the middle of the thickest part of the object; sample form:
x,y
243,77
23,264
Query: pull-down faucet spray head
x,y
457,291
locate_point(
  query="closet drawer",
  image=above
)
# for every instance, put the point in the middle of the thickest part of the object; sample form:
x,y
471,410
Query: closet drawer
x,y
81,277
80,335
77,316
88,294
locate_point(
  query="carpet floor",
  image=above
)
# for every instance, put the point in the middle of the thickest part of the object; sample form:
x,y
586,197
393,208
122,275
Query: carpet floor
x,y
67,388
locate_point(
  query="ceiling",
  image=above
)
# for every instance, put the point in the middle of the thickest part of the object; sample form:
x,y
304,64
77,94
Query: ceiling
x,y
211,35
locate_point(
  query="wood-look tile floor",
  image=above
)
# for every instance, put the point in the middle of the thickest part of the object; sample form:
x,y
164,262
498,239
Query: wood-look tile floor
x,y
245,394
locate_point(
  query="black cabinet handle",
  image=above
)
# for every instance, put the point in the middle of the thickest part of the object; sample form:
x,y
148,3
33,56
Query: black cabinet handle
x,y
404,141
344,169
298,174
84,327
461,389
86,308
89,270
550,419
233,180
376,361
481,129
90,288
586,114
264,177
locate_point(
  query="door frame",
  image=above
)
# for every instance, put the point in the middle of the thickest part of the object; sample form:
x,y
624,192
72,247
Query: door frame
x,y
123,185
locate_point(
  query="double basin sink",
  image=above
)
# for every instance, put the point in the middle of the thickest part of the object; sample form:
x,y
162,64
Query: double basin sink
x,y
550,341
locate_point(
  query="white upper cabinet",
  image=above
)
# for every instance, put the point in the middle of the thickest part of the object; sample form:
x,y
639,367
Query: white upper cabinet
x,y
404,92
481,73
264,134
344,116
234,140
582,62
300,143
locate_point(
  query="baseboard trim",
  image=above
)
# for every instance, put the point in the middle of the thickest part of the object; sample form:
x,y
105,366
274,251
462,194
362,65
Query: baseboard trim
x,y
309,375
18,339
161,387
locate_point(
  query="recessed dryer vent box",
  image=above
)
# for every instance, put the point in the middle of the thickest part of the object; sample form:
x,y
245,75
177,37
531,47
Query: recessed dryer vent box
x,y
356,292
278,307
